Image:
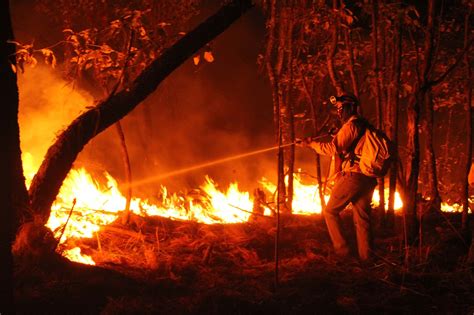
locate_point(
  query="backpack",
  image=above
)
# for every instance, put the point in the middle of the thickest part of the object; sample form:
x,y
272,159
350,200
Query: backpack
x,y
377,152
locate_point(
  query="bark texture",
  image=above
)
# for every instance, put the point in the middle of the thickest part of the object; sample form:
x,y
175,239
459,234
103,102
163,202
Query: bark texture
x,y
13,194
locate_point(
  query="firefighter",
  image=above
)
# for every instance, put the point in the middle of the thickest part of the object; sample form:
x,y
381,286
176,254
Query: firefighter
x,y
351,186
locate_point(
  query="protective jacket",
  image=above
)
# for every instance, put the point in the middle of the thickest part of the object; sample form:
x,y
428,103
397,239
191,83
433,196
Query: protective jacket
x,y
347,140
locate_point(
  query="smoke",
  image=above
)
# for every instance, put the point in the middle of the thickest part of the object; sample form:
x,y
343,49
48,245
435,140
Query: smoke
x,y
47,105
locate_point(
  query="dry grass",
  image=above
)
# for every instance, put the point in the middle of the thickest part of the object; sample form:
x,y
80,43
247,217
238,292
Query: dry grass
x,y
187,267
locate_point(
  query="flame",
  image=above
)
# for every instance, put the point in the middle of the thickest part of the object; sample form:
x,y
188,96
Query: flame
x,y
99,205
455,207
398,204
306,199
75,254
99,202
227,207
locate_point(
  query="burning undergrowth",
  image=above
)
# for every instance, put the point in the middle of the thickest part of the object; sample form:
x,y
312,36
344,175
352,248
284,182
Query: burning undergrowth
x,y
175,266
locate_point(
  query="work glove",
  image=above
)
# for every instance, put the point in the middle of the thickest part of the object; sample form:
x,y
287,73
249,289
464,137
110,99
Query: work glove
x,y
304,142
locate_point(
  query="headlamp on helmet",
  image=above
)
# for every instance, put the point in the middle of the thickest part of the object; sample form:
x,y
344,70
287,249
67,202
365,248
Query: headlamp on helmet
x,y
344,99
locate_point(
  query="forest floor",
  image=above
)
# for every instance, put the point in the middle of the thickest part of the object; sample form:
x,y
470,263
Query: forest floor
x,y
160,266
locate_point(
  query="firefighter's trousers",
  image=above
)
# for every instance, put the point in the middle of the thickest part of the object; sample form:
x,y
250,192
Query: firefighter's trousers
x,y
355,188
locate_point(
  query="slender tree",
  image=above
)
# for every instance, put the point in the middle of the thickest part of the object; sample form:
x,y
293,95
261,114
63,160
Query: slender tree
x,y
274,57
415,104
427,117
422,99
377,92
288,114
394,99
332,49
468,128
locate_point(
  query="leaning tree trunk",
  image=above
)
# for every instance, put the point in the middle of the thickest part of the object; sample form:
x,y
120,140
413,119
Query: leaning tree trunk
x,y
13,194
63,152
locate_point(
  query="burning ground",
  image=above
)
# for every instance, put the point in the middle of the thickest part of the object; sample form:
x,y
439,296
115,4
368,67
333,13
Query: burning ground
x,y
157,265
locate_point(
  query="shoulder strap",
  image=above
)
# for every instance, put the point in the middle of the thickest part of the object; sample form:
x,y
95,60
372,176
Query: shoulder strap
x,y
363,125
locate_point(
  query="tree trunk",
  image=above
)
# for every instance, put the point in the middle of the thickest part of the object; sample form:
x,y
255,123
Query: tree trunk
x,y
427,118
128,170
13,194
350,55
332,50
397,71
428,121
124,153
63,152
288,113
468,130
378,98
413,146
314,120
423,86
274,64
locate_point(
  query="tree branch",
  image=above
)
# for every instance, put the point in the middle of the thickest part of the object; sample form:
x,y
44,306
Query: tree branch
x,y
60,156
